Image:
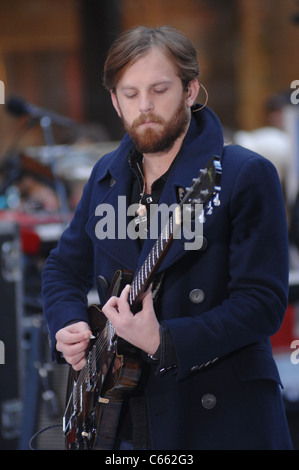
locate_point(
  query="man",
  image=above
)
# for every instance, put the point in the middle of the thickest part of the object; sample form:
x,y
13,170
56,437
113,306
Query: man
x,y
209,380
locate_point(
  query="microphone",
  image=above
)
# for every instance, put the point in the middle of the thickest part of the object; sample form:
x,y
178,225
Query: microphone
x,y
19,107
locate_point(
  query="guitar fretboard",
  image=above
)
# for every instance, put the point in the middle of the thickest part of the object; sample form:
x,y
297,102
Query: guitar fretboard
x,y
145,275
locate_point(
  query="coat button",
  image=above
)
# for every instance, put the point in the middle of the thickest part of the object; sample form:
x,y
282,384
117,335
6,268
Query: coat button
x,y
197,296
208,401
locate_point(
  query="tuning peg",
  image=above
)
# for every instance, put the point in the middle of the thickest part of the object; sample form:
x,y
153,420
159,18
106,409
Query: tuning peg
x,y
210,208
216,200
201,217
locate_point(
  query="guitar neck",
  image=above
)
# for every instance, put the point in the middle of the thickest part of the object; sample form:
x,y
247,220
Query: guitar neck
x,y
146,274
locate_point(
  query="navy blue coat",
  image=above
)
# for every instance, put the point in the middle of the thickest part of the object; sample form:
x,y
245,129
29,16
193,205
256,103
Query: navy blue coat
x,y
225,391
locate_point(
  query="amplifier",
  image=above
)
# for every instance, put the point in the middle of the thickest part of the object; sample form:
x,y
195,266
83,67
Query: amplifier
x,y
11,313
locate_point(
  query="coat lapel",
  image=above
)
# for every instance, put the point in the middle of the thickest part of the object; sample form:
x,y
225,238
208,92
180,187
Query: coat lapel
x,y
112,192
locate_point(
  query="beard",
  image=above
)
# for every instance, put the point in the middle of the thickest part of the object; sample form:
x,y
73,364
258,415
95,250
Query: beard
x,y
152,140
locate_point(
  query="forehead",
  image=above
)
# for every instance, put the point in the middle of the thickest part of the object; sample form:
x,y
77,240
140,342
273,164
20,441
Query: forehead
x,y
153,67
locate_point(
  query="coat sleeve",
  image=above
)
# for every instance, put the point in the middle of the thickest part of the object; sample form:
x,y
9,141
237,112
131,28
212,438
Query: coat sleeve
x,y
257,287
68,274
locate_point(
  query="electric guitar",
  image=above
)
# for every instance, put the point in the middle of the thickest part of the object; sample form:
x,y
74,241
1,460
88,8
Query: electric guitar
x,y
95,393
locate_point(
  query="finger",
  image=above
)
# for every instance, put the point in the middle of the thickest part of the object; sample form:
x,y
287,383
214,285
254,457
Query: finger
x,y
79,366
72,349
79,328
113,306
123,303
110,309
79,331
70,339
147,301
125,292
77,363
111,303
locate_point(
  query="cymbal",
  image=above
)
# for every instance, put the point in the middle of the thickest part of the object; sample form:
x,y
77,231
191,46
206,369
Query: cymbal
x,y
72,162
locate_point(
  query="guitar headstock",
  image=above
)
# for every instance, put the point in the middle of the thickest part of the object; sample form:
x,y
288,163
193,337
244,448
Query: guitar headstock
x,y
205,189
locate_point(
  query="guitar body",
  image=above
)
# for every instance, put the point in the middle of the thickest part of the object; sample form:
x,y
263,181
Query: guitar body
x,y
96,393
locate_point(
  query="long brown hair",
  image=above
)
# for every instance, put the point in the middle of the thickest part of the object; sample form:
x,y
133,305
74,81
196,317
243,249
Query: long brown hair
x,y
136,42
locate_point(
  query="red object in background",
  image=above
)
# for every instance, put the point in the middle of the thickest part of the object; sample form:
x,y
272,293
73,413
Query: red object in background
x,y
30,241
28,223
286,334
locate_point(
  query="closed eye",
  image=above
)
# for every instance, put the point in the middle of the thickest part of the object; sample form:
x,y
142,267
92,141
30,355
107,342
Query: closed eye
x,y
160,90
131,95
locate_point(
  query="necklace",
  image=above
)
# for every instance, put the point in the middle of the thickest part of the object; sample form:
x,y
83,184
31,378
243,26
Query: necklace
x,y
142,210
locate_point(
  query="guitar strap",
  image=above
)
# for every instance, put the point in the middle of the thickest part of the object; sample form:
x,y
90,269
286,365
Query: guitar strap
x,y
108,426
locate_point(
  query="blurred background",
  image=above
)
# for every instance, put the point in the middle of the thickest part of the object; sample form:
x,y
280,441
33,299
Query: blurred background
x,y
56,121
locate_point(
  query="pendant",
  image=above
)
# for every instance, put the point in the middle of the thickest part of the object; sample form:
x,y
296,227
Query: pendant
x,y
141,211
141,215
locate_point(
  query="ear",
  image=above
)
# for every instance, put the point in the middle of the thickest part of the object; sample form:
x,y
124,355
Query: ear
x,y
192,92
115,102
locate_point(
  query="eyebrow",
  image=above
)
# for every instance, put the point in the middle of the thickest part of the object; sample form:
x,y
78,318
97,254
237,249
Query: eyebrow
x,y
131,87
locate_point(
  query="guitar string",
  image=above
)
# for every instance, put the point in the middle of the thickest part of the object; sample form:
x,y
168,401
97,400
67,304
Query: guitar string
x,y
83,379
102,341
138,282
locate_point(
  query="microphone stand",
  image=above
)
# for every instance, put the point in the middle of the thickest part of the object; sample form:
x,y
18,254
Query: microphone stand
x,y
11,160
46,125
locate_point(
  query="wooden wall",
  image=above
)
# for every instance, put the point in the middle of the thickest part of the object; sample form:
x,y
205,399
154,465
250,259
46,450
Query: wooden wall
x,y
39,51
248,50
52,53
268,56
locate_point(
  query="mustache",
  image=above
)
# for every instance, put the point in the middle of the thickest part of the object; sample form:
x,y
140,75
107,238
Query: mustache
x,y
143,118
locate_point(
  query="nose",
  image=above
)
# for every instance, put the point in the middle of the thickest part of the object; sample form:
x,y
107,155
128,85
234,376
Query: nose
x,y
145,103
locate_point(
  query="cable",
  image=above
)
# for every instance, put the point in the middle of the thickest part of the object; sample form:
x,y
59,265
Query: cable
x,y
40,432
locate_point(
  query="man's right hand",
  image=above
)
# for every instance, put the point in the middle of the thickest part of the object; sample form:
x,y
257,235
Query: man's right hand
x,y
72,341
